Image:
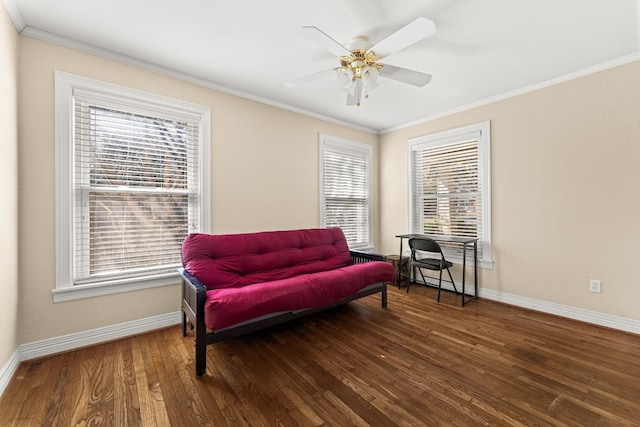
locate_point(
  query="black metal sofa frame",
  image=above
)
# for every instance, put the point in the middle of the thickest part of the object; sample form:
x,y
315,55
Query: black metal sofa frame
x,y
193,299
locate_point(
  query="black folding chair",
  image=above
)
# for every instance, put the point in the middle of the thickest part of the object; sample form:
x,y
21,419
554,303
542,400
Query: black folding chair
x,y
421,245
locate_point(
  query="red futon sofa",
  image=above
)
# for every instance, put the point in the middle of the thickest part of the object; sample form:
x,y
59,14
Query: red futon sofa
x,y
238,283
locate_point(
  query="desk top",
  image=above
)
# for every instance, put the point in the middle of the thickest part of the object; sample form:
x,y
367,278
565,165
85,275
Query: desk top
x,y
452,239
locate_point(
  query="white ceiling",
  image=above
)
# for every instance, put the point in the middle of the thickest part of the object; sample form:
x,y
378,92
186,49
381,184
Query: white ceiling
x,y
482,49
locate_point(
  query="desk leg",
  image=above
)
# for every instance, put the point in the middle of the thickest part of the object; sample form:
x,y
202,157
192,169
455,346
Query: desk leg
x,y
475,273
399,266
464,270
475,268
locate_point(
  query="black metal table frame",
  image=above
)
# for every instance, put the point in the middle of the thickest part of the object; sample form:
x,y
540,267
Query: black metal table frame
x,y
449,239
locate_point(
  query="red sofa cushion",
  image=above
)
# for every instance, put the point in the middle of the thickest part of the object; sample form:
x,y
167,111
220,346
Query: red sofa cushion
x,y
224,261
229,306
254,274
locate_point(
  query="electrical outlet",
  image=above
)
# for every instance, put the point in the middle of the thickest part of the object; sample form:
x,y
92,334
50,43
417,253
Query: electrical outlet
x,y
594,285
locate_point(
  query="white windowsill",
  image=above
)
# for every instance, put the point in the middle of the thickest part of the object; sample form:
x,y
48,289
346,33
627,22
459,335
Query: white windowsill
x,y
89,291
482,264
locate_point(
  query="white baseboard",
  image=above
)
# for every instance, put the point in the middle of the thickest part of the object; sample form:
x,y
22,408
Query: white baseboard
x,y
83,339
7,371
99,335
589,316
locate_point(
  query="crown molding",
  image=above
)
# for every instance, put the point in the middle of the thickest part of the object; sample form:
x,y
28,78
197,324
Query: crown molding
x,y
104,53
14,14
526,89
638,21
128,60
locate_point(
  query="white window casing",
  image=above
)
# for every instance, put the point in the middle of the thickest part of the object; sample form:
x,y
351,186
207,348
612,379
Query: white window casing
x,y
345,189
450,187
132,179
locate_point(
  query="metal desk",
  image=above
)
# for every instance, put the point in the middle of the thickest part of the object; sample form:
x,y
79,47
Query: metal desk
x,y
465,242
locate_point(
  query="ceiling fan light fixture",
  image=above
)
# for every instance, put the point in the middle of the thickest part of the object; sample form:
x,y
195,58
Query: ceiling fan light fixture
x,y
345,77
369,76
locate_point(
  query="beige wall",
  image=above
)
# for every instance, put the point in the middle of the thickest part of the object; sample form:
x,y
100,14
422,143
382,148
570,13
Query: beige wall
x,y
565,186
564,195
264,176
9,188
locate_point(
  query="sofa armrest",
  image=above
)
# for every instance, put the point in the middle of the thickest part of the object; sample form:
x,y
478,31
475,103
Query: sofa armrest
x,y
360,257
194,295
192,280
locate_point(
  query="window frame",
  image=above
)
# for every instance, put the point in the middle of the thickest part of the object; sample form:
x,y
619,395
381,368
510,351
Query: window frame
x,y
448,137
350,147
65,85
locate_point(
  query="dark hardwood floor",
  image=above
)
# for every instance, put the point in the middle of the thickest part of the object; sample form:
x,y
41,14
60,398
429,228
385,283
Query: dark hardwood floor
x,y
415,363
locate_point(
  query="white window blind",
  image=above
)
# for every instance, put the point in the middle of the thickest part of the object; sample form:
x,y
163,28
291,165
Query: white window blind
x,y
449,187
131,183
135,176
345,196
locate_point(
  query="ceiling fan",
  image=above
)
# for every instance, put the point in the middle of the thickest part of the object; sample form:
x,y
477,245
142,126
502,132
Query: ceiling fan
x,y
360,64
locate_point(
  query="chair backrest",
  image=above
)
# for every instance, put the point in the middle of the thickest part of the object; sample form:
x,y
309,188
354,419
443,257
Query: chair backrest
x,y
424,244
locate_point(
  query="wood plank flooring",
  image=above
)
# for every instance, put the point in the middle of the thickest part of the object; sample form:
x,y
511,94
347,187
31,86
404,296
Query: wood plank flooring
x,y
416,363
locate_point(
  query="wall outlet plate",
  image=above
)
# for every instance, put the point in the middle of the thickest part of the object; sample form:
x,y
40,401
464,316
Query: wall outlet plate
x,y
594,285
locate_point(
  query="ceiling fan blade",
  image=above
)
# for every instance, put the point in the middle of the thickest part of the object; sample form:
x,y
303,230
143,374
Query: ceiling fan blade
x,y
415,78
411,33
310,78
318,36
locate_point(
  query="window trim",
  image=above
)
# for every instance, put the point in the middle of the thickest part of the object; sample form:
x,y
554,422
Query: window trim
x,y
354,147
65,84
484,145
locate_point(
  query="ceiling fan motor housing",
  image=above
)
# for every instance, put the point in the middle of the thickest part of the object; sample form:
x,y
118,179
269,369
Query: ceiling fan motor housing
x,y
359,61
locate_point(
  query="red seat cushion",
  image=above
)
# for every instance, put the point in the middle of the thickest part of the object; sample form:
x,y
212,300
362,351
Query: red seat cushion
x,y
254,274
229,306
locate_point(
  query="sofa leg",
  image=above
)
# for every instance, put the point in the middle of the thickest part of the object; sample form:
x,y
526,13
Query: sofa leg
x,y
184,324
201,357
384,297
201,348
201,373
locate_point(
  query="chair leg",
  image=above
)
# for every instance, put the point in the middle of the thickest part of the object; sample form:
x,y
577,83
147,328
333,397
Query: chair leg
x,y
422,275
408,276
439,285
452,282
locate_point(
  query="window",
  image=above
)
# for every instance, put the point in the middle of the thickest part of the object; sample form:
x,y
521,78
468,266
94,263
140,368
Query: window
x,y
131,184
345,189
449,188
